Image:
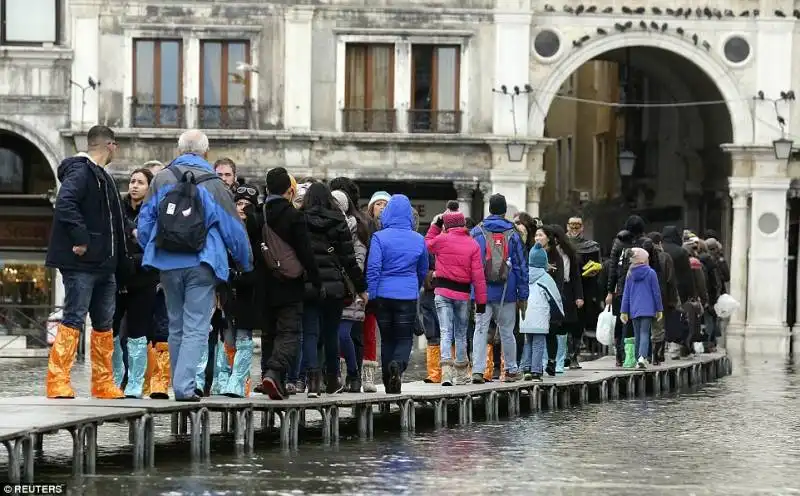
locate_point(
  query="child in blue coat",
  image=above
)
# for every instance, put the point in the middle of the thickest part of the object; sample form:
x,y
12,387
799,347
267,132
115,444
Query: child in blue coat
x,y
544,298
641,302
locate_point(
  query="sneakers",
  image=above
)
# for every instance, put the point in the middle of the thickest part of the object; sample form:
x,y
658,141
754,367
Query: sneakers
x,y
353,385
511,376
551,368
478,379
641,363
574,364
537,377
272,386
290,389
527,376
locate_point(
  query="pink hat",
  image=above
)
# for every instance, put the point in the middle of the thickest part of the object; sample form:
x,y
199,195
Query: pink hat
x,y
453,219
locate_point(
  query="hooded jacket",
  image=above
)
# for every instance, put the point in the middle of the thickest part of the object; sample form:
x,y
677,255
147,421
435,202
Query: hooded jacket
x,y
226,231
642,295
355,311
458,264
621,254
333,251
516,286
87,212
398,259
672,244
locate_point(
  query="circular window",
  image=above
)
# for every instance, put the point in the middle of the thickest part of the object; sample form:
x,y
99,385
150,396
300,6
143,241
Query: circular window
x,y
737,49
768,223
546,44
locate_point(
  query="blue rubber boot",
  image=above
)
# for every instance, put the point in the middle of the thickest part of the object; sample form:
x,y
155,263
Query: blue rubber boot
x,y
200,377
242,361
561,353
117,363
137,365
222,370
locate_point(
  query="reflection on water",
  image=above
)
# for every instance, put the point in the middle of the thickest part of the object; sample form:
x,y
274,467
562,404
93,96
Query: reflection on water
x,y
736,436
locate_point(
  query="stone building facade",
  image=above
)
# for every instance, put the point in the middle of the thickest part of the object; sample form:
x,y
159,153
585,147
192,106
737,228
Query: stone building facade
x,y
402,90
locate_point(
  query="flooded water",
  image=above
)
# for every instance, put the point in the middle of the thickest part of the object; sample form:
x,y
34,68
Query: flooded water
x,y
740,435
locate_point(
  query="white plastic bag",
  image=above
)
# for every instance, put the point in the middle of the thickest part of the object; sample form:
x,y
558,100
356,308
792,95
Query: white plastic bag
x,y
606,322
726,306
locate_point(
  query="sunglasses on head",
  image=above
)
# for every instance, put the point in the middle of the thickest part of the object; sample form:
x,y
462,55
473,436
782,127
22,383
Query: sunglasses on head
x,y
246,189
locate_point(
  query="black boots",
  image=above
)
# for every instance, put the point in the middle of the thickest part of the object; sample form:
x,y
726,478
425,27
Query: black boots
x,y
658,353
551,368
393,381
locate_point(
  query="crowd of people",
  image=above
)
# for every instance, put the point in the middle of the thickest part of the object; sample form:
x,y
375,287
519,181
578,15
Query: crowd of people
x,y
178,274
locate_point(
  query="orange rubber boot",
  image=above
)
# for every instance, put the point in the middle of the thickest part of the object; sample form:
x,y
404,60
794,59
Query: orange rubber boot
x,y
489,372
59,364
148,372
159,384
434,358
103,386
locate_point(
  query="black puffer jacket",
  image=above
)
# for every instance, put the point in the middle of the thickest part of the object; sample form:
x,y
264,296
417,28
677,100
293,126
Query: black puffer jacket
x,y
246,290
332,246
132,275
673,246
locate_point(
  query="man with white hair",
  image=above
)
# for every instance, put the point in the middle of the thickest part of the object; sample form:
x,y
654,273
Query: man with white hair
x,y
189,277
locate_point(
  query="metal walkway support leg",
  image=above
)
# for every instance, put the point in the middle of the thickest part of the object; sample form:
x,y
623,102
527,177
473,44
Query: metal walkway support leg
x,y
334,424
438,405
13,449
90,448
28,452
77,451
536,399
604,391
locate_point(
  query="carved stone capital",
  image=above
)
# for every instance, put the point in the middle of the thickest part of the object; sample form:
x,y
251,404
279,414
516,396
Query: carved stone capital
x,y
465,189
485,188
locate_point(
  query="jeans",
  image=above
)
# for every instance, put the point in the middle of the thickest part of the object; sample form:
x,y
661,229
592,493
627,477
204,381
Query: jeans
x,y
321,326
87,292
505,316
396,320
430,318
533,352
190,304
280,338
453,315
710,320
641,335
347,347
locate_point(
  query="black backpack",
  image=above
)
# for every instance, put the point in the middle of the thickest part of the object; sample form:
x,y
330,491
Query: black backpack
x,y
181,215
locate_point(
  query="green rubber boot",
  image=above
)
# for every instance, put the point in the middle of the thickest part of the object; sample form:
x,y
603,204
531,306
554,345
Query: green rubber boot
x,y
630,353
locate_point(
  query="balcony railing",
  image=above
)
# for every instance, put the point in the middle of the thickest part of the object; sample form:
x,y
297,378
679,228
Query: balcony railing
x,y
434,121
152,115
369,120
224,117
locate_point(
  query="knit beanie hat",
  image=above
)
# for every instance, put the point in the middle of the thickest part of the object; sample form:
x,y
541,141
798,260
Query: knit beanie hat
x,y
538,257
378,196
341,200
497,204
246,192
453,219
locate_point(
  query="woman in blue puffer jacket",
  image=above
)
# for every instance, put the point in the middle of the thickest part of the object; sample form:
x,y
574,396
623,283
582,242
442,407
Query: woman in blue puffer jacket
x,y
396,268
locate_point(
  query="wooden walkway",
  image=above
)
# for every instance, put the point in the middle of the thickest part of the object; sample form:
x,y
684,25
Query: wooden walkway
x,y
25,420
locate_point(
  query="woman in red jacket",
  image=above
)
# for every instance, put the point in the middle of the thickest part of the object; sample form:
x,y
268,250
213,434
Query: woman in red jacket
x,y
459,268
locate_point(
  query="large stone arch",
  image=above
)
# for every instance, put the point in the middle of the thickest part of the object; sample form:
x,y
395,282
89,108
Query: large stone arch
x,y
547,88
27,132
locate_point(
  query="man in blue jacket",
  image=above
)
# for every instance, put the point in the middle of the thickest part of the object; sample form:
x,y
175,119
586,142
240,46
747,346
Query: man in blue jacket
x,y
506,293
189,279
87,245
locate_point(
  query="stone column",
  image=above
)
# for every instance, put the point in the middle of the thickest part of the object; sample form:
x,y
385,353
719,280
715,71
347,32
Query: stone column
x,y
465,191
534,196
297,68
739,245
486,191
512,24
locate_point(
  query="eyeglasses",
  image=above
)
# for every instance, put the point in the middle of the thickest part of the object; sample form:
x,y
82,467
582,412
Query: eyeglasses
x,y
246,190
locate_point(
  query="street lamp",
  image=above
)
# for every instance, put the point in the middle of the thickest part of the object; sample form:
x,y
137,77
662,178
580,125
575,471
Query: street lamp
x,y
516,151
627,160
783,148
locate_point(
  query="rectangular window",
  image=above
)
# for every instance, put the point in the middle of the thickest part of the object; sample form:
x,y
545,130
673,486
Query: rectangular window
x,y
435,77
224,87
157,83
369,88
30,22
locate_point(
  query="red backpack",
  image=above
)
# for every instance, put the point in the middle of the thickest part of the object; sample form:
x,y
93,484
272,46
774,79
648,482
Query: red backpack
x,y
497,262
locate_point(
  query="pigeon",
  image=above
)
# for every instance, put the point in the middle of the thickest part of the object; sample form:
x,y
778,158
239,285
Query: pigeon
x,y
760,95
608,10
654,25
601,31
628,24
619,27
779,13
626,10
579,10
695,39
707,12
664,27
640,10
687,13
717,13
790,95
656,11
549,8
781,121
729,13
706,45
585,38
591,9
783,95
568,9
643,25
670,12
698,12
745,13
756,12
679,12
680,31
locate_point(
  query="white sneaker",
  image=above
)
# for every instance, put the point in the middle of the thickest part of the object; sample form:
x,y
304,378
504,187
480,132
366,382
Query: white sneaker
x,y
642,363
